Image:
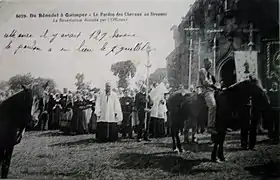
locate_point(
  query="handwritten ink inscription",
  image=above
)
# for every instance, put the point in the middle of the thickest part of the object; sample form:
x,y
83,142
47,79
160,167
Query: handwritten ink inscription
x,y
110,43
15,34
32,47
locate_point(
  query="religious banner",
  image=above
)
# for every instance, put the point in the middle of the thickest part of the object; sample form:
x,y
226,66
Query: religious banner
x,y
246,64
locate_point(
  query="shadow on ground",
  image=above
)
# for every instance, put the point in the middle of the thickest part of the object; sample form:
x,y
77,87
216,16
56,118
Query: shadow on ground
x,y
52,134
194,147
167,162
88,141
265,171
73,174
268,142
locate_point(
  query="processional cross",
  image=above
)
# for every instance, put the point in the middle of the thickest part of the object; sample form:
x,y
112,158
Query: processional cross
x,y
148,66
251,31
215,31
191,29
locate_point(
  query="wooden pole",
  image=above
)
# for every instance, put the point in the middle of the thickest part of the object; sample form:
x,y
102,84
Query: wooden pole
x,y
199,60
215,50
190,62
226,5
191,29
251,42
148,65
215,31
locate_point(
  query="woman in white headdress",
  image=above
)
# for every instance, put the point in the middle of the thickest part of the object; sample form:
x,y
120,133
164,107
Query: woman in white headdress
x,y
57,111
81,113
66,119
88,107
93,118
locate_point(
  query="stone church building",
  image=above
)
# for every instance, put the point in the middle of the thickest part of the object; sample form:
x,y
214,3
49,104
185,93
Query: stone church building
x,y
232,18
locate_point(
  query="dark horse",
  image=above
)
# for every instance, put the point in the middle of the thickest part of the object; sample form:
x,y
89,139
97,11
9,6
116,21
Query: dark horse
x,y
227,100
15,113
176,117
231,100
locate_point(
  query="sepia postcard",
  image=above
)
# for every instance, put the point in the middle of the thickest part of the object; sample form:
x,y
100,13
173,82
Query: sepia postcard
x,y
138,89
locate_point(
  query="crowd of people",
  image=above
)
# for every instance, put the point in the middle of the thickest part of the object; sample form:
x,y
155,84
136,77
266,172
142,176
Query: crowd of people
x,y
85,111
129,112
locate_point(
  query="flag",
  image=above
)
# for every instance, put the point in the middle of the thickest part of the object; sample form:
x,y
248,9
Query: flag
x,y
246,63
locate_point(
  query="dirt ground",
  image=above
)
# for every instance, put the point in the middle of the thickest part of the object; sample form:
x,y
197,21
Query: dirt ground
x,y
51,155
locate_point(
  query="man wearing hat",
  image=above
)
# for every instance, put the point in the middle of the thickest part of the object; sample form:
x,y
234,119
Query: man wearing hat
x,y
140,103
126,104
273,130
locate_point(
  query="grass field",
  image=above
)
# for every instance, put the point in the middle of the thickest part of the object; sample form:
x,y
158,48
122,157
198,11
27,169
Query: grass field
x,y
51,155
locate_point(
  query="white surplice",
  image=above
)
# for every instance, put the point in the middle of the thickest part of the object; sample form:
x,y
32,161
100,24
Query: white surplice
x,y
157,96
108,108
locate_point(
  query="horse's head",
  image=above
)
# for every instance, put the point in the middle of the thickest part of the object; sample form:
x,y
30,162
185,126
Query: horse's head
x,y
259,94
253,88
32,96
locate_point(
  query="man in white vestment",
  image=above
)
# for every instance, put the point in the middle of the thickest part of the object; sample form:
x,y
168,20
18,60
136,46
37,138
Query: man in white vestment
x,y
158,110
109,115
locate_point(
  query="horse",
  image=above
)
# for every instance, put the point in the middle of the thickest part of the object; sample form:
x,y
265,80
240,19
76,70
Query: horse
x,y
227,101
176,117
232,99
15,113
195,118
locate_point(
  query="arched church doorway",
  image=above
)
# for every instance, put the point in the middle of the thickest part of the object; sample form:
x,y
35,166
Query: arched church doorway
x,y
227,72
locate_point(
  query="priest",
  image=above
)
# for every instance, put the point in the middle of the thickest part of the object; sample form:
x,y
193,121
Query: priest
x,y
109,115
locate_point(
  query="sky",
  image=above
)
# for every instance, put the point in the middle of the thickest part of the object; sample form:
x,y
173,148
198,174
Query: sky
x,y
22,55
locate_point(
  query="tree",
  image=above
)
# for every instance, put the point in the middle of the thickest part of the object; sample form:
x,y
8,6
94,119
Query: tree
x,y
157,76
124,70
80,81
81,84
42,81
16,81
4,85
87,86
